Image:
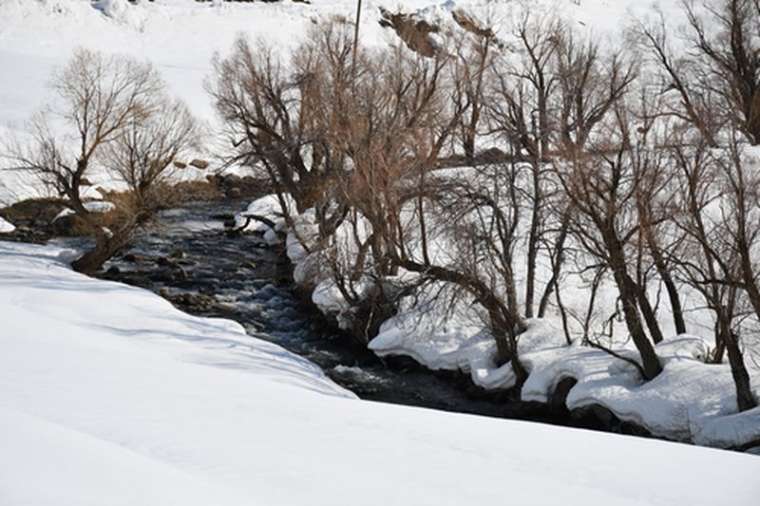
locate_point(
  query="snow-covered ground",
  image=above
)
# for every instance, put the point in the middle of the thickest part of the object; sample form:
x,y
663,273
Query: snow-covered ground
x,y
109,395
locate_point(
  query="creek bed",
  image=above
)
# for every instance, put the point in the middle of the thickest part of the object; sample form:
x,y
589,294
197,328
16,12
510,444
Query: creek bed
x,y
188,258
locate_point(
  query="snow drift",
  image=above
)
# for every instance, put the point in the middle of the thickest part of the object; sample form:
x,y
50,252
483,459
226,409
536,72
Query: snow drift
x,y
110,395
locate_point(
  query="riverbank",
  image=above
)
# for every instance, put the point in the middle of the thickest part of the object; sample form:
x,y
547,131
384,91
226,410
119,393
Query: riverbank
x,y
189,258
111,394
692,400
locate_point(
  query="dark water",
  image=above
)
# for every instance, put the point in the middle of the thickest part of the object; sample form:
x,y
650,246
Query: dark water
x,y
188,258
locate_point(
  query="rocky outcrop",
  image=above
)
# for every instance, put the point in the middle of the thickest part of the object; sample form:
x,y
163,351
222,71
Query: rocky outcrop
x,y
414,31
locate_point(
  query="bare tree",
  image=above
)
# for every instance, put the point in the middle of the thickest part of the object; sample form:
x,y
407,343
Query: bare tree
x,y
603,195
479,218
590,84
401,113
519,110
718,81
718,213
99,100
141,157
697,103
731,57
475,52
267,109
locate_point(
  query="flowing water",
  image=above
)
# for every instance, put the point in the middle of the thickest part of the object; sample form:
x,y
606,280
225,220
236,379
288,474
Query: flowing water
x,y
188,257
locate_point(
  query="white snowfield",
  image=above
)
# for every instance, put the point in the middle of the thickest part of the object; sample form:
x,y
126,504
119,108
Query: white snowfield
x,y
110,396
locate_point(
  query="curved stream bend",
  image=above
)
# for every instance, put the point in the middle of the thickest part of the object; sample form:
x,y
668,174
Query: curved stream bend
x,y
188,258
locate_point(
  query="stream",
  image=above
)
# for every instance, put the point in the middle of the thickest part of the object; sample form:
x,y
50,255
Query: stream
x,y
188,258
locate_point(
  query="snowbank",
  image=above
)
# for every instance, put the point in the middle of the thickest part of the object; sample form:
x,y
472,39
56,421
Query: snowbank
x,y
6,227
93,206
122,11
690,400
110,395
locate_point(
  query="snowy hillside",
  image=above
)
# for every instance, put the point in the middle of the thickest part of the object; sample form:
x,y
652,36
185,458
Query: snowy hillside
x,y
108,395
181,37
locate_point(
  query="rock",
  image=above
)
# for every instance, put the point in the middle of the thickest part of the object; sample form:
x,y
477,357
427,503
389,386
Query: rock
x,y
413,30
69,225
179,165
472,25
33,212
162,276
113,271
231,180
558,399
164,262
133,258
195,300
199,164
492,155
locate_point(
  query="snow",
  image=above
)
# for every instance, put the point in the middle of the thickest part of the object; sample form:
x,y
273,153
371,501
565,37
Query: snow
x,y
110,395
6,227
690,400
136,402
267,206
93,206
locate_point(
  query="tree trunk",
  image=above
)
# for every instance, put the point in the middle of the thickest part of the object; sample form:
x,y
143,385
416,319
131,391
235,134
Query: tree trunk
x,y
744,398
559,259
670,286
720,345
629,296
533,241
468,144
105,248
506,349
648,312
